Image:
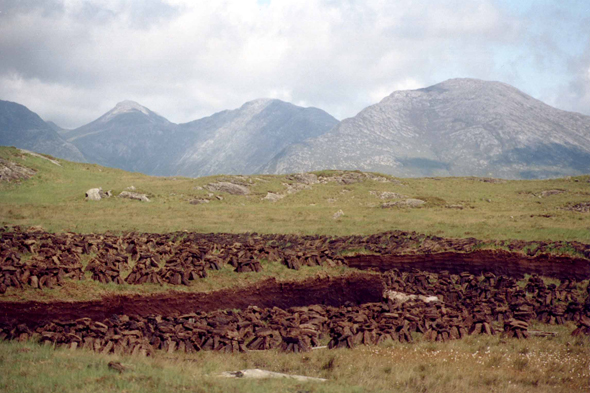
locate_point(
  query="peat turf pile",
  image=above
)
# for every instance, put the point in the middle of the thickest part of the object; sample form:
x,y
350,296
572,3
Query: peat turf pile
x,y
296,330
42,259
467,305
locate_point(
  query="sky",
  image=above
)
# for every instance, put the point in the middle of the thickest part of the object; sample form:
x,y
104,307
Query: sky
x,y
70,61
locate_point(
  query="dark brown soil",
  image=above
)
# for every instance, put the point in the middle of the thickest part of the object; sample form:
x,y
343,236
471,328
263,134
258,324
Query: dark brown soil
x,y
496,261
331,291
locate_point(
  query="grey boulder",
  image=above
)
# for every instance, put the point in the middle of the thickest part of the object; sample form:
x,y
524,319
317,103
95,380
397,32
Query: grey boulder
x,y
134,195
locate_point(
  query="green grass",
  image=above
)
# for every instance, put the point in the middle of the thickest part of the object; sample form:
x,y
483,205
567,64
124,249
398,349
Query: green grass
x,y
54,199
475,364
89,289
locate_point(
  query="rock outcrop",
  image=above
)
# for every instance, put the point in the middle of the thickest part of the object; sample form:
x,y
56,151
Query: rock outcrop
x,y
11,171
96,194
230,188
134,195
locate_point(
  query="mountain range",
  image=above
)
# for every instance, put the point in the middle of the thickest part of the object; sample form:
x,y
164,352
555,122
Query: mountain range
x,y
460,127
24,129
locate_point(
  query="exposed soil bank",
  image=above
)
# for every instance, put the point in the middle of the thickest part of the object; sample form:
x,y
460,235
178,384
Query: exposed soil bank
x,y
332,291
498,262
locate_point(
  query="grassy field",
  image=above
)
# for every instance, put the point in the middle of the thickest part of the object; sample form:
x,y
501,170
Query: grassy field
x,y
54,199
475,364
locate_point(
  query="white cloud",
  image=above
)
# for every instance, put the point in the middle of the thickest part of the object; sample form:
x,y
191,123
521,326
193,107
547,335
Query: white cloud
x,y
186,59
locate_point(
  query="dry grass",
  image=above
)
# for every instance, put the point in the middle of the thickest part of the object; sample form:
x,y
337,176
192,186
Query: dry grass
x,y
217,279
54,198
475,364
512,210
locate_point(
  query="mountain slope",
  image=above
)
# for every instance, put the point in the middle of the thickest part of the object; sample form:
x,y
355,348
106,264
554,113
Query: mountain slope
x,y
56,128
239,141
461,127
243,140
129,137
25,129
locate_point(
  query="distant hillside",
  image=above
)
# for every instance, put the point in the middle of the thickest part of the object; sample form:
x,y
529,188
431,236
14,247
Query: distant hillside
x,y
56,128
243,140
461,127
129,137
22,128
240,141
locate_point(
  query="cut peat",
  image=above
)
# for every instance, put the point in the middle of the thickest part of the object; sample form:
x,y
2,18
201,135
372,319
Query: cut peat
x,y
356,288
498,262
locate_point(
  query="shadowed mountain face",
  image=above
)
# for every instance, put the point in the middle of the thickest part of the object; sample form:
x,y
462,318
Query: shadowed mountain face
x,y
240,141
129,137
22,128
461,127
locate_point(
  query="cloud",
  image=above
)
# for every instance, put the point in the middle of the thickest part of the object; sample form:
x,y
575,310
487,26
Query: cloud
x,y
72,60
576,95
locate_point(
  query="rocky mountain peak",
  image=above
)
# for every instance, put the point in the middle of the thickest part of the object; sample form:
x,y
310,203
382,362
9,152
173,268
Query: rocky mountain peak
x,y
126,106
460,127
257,105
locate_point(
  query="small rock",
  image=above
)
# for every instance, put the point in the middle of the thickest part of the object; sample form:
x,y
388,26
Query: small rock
x,y
414,202
338,214
411,202
547,193
134,195
380,179
199,201
491,180
230,188
296,187
271,196
458,207
305,178
219,197
387,195
94,194
197,188
332,200
351,178
131,188
582,207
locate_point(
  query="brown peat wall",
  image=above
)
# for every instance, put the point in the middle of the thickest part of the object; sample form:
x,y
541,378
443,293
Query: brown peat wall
x,y
498,262
356,288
